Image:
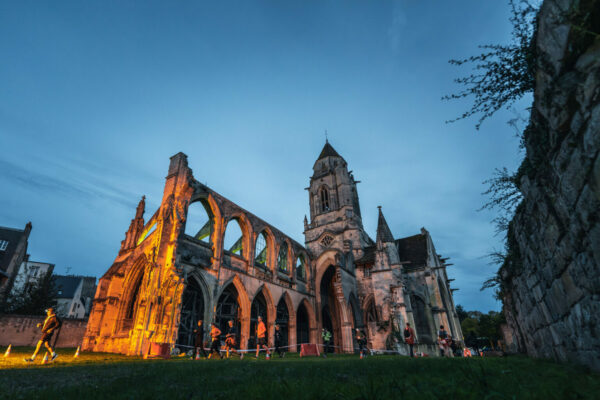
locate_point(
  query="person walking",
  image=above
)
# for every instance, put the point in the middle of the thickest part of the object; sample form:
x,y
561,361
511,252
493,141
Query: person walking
x,y
278,342
50,325
442,340
326,335
361,339
230,340
409,338
261,337
199,341
216,342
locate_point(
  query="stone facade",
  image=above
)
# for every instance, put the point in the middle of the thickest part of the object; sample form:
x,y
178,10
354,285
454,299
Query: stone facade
x,y
171,272
552,289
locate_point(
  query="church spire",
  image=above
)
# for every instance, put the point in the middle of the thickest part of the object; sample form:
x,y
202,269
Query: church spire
x,y
384,234
328,151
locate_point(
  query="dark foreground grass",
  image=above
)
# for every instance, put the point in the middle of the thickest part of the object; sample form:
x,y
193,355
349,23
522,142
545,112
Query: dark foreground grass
x,y
108,376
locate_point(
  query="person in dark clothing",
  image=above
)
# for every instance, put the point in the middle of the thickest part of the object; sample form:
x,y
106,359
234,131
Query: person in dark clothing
x,y
409,338
50,325
215,345
230,340
278,342
361,339
199,341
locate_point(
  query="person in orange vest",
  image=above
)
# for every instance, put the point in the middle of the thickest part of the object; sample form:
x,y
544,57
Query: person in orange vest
x,y
261,337
216,342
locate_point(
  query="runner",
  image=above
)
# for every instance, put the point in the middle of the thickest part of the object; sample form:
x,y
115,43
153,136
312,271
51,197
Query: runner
x,y
361,339
216,342
278,342
199,341
261,337
326,335
230,340
51,323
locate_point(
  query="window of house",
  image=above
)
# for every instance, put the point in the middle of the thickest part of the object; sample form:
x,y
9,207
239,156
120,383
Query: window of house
x,y
3,245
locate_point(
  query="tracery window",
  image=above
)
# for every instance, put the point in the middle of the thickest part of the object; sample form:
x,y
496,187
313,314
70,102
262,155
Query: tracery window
x,y
261,250
326,241
282,259
233,240
300,268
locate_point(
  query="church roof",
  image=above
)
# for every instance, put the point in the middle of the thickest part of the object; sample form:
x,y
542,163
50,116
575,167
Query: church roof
x,y
368,256
383,230
413,249
328,151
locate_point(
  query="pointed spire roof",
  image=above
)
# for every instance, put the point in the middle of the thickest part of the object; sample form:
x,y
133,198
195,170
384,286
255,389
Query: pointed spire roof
x,y
383,230
328,151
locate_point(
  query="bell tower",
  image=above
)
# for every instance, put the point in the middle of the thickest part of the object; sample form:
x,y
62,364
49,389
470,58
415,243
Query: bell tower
x,y
335,219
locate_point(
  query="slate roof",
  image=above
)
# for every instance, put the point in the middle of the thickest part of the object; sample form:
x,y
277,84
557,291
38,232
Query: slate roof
x,y
66,285
413,249
383,230
328,151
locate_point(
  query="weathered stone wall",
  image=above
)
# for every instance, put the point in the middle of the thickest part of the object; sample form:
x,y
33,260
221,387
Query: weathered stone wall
x,y
552,285
22,330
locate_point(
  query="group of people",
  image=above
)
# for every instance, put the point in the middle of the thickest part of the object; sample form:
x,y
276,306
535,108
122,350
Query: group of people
x,y
231,341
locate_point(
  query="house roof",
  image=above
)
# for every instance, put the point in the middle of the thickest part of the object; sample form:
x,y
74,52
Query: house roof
x,y
13,237
66,286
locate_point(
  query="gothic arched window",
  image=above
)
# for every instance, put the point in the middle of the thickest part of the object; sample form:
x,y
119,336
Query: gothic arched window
x,y
261,250
282,259
300,268
324,199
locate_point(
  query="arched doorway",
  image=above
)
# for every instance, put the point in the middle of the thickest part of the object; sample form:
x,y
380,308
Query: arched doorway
x,y
329,308
258,308
192,310
283,319
421,320
302,326
228,308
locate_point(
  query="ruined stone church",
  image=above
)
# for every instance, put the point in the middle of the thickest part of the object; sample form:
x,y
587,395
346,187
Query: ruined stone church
x,y
201,256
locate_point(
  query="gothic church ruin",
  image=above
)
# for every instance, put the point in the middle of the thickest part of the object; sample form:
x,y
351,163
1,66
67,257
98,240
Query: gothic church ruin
x,y
201,256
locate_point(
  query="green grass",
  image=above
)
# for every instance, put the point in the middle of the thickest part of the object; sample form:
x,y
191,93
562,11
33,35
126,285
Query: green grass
x,y
110,376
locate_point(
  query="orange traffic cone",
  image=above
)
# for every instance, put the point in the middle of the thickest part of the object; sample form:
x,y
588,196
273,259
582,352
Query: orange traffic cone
x,y
45,360
76,353
197,355
7,353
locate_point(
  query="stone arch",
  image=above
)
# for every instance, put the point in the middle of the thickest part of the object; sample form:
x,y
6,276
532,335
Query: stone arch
x,y
311,323
286,257
245,227
307,270
421,319
244,303
132,287
326,259
270,245
194,306
271,309
214,212
286,320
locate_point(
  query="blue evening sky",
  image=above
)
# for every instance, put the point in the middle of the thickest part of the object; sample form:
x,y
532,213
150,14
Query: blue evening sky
x,y
96,96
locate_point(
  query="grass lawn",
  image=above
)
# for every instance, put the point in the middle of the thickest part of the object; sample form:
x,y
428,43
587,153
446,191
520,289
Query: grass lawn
x,y
110,376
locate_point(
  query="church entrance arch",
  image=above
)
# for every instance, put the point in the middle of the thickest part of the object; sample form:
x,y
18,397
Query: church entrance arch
x,y
228,308
329,308
192,310
302,326
283,319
